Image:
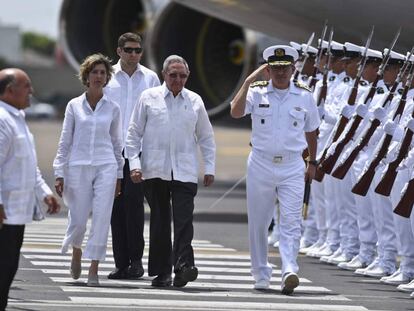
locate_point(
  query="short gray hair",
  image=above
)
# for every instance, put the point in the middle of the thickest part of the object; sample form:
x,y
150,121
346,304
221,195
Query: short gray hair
x,y
174,59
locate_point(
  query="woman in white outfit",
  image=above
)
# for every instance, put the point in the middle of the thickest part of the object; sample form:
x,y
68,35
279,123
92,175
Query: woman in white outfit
x,y
88,165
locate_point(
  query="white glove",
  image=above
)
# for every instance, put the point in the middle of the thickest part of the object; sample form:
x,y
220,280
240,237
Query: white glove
x,y
362,110
331,149
321,110
410,125
380,113
389,127
347,111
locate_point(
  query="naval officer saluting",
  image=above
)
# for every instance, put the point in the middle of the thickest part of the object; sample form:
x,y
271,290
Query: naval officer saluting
x,y
284,122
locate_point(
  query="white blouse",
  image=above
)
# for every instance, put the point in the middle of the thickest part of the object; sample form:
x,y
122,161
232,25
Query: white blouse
x,y
90,137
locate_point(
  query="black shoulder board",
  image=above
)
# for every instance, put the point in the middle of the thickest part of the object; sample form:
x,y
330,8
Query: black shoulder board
x,y
346,79
400,91
332,78
259,83
380,90
303,86
305,78
363,83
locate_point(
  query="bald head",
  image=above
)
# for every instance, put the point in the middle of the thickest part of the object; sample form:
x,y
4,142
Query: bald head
x,y
15,87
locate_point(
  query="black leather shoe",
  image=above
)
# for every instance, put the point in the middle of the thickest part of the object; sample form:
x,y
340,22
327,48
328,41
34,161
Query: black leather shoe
x,y
185,275
119,274
162,280
135,270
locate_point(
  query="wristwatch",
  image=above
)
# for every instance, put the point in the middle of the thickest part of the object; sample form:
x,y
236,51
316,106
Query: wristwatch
x,y
313,162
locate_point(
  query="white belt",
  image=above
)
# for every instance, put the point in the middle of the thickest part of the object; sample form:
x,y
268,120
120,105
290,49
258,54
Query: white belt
x,y
279,158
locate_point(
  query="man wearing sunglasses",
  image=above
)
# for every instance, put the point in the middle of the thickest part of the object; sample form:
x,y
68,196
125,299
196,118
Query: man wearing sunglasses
x,y
284,123
169,124
129,80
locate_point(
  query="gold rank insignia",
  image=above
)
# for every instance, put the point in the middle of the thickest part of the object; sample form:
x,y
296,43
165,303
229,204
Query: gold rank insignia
x,y
400,91
259,83
380,90
346,79
279,52
332,78
303,86
363,83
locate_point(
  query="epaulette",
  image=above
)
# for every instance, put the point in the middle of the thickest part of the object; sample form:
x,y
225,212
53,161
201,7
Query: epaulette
x,y
400,91
303,86
363,83
305,78
380,90
332,78
259,83
346,79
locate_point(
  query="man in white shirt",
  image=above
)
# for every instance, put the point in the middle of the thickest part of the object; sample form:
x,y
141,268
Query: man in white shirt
x,y
129,80
21,184
168,124
284,123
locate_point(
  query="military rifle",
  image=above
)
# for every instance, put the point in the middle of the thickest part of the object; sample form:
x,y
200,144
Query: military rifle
x,y
405,206
318,59
328,164
340,125
305,52
306,197
324,89
344,167
365,180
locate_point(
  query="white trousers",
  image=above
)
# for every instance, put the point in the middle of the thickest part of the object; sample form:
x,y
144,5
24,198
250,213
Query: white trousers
x,y
333,206
404,226
89,189
318,207
267,181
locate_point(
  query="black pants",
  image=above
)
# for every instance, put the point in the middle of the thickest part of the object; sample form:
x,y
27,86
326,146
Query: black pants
x,y
11,239
160,194
127,222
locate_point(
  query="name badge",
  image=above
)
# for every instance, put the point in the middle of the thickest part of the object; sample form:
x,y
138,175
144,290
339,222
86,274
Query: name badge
x,y
264,105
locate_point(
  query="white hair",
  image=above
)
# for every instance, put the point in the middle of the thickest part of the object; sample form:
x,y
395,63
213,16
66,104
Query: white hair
x,y
174,59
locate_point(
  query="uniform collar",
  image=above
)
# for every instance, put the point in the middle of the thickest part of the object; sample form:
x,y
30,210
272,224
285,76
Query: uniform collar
x,y
117,68
291,89
11,109
166,91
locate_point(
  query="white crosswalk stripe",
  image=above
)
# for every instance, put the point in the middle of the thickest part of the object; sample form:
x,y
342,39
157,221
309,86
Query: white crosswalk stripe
x,y
224,282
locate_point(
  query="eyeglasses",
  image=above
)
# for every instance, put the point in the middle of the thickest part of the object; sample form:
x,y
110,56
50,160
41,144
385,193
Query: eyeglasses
x,y
174,75
130,50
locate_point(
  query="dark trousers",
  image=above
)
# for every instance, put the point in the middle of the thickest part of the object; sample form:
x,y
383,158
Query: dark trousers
x,y
161,194
11,239
127,222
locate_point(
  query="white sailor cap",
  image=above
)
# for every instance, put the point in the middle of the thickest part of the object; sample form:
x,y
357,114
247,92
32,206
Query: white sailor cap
x,y
395,58
324,43
280,55
337,49
312,52
296,46
373,56
411,58
352,50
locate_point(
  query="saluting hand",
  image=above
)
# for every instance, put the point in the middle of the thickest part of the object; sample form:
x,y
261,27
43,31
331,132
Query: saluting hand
x,y
253,76
59,186
53,206
136,176
208,180
2,215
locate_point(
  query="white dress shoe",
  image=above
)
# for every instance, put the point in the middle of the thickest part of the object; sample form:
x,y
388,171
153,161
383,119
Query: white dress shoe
x,y
272,238
328,259
262,284
352,265
409,287
377,272
396,279
340,259
323,251
372,265
310,248
289,282
93,280
276,245
304,244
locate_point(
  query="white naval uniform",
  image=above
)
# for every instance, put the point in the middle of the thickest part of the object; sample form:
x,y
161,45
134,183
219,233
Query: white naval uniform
x,y
89,158
275,168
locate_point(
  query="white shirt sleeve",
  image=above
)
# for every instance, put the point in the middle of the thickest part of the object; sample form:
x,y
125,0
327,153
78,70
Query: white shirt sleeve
x,y
135,133
41,188
205,138
116,137
5,141
312,119
65,142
